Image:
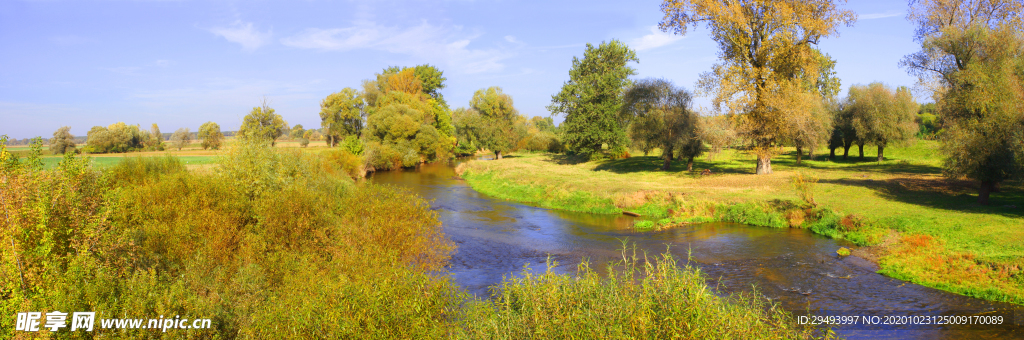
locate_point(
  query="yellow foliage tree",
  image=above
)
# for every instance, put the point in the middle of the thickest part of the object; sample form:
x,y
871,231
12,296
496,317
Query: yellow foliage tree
x,y
768,59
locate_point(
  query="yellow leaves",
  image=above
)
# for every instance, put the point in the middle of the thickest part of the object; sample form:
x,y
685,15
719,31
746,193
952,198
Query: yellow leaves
x,y
766,47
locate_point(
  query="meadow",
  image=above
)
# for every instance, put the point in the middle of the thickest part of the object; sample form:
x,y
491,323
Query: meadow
x,y
914,223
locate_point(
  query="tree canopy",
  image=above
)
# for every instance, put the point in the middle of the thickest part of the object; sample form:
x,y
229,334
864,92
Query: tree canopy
x,y
768,59
502,125
881,116
210,133
592,98
181,138
62,141
117,137
663,117
405,125
341,114
262,124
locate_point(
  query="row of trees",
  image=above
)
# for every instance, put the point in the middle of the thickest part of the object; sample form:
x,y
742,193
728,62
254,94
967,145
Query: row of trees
x,y
777,88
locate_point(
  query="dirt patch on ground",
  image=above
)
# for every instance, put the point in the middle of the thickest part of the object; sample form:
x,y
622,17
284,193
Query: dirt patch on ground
x,y
876,252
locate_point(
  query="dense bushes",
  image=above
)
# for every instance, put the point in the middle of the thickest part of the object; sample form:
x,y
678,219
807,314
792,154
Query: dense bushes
x,y
270,245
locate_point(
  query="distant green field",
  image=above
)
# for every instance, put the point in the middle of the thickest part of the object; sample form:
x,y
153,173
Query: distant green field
x,y
106,162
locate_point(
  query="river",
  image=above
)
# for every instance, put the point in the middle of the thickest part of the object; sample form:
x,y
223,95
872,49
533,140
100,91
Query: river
x,y
793,267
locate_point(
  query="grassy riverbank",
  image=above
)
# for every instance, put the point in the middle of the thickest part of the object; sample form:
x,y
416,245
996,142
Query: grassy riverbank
x,y
920,226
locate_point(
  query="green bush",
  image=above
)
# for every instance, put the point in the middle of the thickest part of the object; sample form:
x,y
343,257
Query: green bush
x,y
752,214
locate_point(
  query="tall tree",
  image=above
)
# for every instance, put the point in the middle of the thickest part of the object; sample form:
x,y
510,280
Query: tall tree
x,y
970,58
297,131
935,63
502,123
210,133
156,138
881,116
262,124
592,98
181,138
663,116
768,55
983,109
341,114
62,141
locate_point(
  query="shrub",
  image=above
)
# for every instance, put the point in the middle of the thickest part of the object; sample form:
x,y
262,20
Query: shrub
x,y
353,145
638,299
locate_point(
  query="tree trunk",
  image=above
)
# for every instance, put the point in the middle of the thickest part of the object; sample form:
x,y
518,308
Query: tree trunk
x,y
799,154
689,164
984,190
764,165
497,154
832,154
810,153
846,149
880,152
860,147
667,155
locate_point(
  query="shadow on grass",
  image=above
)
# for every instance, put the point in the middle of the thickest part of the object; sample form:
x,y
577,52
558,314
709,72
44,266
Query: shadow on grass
x,y
956,195
855,164
566,159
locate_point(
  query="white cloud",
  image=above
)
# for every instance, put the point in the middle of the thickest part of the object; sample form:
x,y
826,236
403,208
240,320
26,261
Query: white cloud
x,y
435,44
243,34
888,14
656,39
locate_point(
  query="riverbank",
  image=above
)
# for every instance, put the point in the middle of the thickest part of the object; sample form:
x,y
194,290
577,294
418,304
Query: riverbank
x,y
917,225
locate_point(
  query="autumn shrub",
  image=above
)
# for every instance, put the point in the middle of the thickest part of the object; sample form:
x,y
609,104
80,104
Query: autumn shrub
x,y
349,163
268,245
135,170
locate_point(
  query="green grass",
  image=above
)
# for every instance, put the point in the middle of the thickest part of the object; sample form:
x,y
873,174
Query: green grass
x,y
881,202
107,162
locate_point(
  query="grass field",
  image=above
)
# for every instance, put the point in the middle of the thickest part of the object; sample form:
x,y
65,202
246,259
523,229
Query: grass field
x,y
921,226
193,155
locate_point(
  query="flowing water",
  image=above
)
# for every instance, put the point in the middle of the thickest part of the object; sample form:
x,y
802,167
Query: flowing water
x,y
793,267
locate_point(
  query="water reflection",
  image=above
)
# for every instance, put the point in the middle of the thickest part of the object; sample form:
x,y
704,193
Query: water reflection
x,y
797,269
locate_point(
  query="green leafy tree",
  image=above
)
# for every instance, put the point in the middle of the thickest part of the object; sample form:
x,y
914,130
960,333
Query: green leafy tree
x,y
468,125
297,131
881,116
970,58
117,137
341,114
500,119
983,108
181,138
156,141
592,98
262,124
928,121
62,141
663,116
210,133
768,60
405,126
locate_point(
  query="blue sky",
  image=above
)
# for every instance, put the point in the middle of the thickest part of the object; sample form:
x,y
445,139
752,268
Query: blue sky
x,y
182,63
